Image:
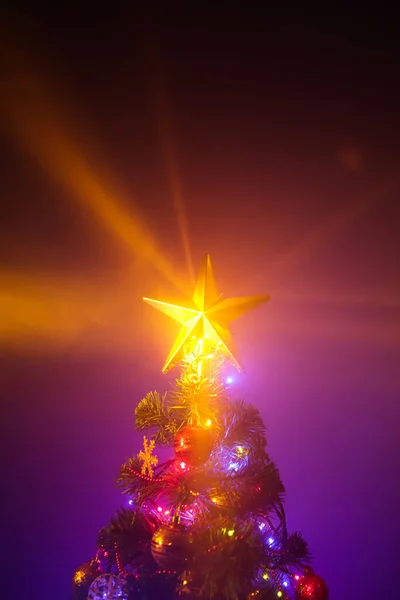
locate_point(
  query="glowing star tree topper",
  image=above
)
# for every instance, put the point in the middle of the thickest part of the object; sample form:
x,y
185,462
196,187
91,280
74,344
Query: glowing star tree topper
x,y
204,324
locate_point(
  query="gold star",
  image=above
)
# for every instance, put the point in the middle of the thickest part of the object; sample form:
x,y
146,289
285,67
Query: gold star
x,y
207,319
146,455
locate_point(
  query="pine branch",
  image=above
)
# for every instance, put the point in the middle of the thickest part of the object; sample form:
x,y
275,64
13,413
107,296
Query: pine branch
x,y
268,592
254,490
128,534
196,399
138,486
225,564
153,412
295,553
228,555
244,426
266,489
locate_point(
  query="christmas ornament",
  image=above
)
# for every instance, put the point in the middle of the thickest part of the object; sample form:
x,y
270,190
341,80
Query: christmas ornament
x,y
207,318
83,578
193,444
170,545
311,587
146,455
108,587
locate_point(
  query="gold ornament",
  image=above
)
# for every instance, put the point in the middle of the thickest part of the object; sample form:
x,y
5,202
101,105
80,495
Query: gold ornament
x,y
170,545
206,321
146,455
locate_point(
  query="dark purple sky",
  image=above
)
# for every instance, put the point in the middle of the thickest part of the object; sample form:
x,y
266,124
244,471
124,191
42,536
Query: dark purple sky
x,y
285,131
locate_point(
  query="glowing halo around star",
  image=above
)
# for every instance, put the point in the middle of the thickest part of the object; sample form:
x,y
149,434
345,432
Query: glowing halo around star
x,y
207,319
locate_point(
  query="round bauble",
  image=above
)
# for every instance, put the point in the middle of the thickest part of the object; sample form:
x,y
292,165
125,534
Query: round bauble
x,y
108,587
311,587
83,578
193,444
170,545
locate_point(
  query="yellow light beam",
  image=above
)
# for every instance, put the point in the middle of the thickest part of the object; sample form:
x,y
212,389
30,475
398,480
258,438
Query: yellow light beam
x,y
49,308
153,69
39,312
32,117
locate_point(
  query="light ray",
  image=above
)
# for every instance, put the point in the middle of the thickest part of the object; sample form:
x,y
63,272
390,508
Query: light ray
x,y
42,312
35,121
49,308
162,113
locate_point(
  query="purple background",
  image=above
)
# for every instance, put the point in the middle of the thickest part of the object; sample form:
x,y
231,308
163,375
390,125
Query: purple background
x,y
286,133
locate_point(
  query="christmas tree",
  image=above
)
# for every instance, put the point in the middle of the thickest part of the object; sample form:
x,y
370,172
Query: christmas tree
x,y
209,523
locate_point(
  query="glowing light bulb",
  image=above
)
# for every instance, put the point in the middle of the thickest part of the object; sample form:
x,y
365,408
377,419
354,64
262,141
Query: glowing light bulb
x,y
184,582
240,449
215,500
167,512
130,502
279,594
159,508
285,583
229,380
208,423
270,541
183,465
231,532
265,576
